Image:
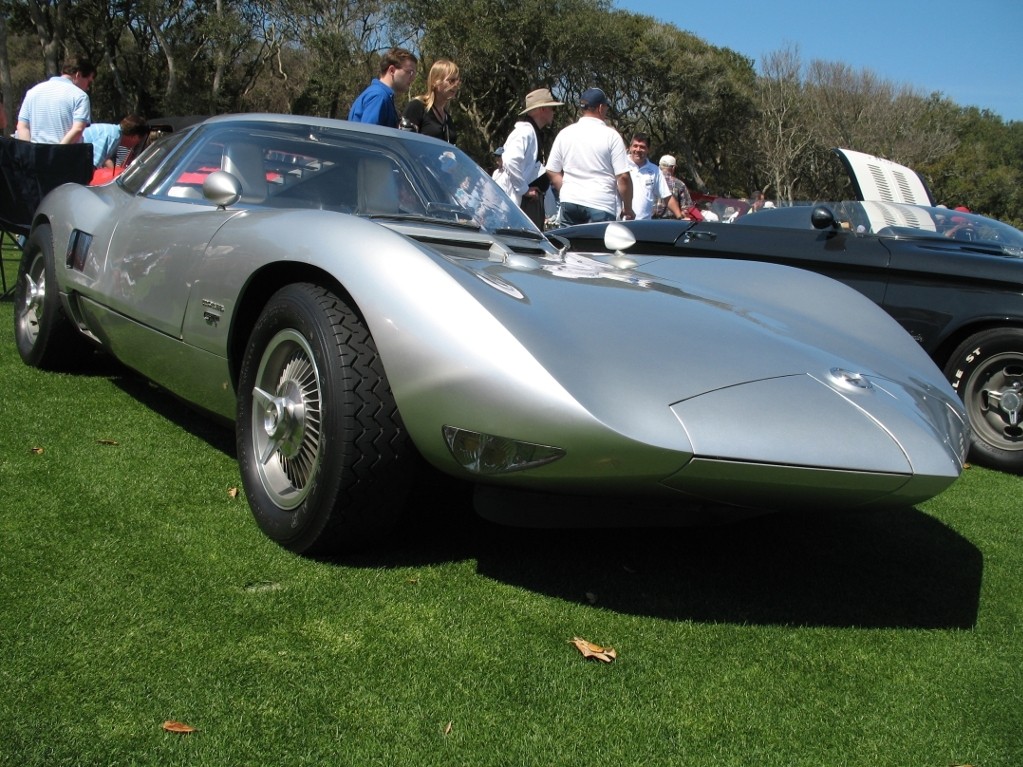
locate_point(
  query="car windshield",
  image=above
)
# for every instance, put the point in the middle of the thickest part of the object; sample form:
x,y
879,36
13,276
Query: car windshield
x,y
380,175
888,219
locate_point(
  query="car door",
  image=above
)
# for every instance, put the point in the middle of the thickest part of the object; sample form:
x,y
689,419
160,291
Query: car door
x,y
152,256
161,235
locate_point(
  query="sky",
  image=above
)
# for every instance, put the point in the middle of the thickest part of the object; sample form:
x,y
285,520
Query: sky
x,y
967,51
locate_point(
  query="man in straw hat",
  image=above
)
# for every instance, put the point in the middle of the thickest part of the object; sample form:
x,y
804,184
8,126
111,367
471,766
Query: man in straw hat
x,y
522,174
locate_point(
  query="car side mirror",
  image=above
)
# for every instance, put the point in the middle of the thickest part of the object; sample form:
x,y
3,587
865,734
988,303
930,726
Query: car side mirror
x,y
222,189
618,238
823,218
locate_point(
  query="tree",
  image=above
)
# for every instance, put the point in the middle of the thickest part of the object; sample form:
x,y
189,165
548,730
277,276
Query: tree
x,y
985,173
525,44
340,41
731,128
783,139
49,20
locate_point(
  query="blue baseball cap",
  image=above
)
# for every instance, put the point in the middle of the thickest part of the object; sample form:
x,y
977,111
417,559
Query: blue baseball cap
x,y
593,98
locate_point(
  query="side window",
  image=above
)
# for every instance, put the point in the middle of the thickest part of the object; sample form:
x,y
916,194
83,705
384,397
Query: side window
x,y
185,182
347,179
241,153
138,173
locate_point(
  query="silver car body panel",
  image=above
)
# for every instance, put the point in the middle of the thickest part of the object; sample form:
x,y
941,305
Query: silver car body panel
x,y
724,381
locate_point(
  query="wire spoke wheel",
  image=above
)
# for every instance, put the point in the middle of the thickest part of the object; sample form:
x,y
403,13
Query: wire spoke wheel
x,y
286,419
46,338
323,453
31,295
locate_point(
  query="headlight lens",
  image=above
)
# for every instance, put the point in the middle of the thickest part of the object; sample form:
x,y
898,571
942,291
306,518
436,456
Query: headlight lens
x,y
489,454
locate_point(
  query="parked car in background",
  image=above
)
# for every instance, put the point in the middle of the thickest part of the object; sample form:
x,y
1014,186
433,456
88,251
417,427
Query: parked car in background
x,y
355,299
952,279
158,128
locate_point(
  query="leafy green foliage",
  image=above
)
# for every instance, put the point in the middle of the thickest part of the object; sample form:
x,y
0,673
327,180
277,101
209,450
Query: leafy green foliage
x,y
985,173
733,126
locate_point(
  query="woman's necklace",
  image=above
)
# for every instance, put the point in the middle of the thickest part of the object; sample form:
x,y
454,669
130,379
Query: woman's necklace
x,y
442,118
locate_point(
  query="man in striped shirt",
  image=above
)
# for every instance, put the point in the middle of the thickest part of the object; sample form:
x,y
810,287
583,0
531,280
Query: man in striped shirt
x,y
58,110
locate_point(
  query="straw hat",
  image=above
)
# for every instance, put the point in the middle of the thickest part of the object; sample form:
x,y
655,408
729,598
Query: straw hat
x,y
541,97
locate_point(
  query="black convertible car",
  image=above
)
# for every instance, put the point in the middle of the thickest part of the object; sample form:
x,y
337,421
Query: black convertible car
x,y
953,279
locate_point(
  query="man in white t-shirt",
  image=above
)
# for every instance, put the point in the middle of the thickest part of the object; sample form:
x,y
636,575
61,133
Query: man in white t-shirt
x,y
649,186
589,167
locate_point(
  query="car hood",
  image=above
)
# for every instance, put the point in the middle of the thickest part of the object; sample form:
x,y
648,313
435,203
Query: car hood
x,y
683,327
694,354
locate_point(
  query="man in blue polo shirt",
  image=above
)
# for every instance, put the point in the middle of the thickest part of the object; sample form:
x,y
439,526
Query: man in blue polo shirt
x,y
108,138
376,103
58,110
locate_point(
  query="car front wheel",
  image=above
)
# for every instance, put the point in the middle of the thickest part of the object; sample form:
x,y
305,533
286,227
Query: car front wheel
x,y
987,372
322,450
44,335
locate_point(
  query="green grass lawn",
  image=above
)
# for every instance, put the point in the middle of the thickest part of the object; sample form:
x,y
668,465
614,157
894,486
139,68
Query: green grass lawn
x,y
136,590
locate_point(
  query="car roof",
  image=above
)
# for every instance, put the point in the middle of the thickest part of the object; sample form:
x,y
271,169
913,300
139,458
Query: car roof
x,y
286,119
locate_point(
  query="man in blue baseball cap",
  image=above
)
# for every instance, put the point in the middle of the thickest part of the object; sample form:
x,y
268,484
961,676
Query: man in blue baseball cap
x,y
589,166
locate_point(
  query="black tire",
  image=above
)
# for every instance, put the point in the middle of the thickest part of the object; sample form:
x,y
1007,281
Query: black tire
x,y
987,373
324,457
45,336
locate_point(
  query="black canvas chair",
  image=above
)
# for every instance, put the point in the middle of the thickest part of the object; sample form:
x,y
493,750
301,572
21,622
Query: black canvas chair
x,y
29,172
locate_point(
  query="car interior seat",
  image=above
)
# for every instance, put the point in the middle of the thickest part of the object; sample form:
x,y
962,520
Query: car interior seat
x,y
378,188
333,188
244,160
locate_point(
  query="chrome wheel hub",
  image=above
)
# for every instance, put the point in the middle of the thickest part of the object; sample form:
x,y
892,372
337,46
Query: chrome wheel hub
x,y
286,410
997,409
31,308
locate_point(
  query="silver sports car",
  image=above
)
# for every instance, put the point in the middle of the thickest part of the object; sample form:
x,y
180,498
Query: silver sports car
x,y
356,299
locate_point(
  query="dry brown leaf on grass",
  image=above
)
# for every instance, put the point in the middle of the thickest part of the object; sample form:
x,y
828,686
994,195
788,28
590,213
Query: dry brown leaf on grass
x,y
36,450
448,728
178,727
232,492
591,650
107,442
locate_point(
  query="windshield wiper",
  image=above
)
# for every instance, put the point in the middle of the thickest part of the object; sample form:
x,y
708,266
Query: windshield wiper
x,y
529,234
461,223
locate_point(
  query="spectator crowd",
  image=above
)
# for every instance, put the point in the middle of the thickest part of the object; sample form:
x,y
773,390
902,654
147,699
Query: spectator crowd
x,y
589,175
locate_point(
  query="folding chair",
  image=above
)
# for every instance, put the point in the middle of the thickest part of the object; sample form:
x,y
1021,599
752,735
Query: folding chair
x,y
30,171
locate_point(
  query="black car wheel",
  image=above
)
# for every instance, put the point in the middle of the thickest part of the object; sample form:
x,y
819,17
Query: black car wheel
x,y
44,335
987,373
321,447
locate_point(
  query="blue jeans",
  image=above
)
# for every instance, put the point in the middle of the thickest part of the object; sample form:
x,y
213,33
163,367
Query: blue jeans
x,y
573,213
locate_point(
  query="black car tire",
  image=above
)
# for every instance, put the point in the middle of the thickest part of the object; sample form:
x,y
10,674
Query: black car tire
x,y
45,336
324,456
986,371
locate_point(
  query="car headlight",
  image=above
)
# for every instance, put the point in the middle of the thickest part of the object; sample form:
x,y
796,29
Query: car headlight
x,y
490,454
